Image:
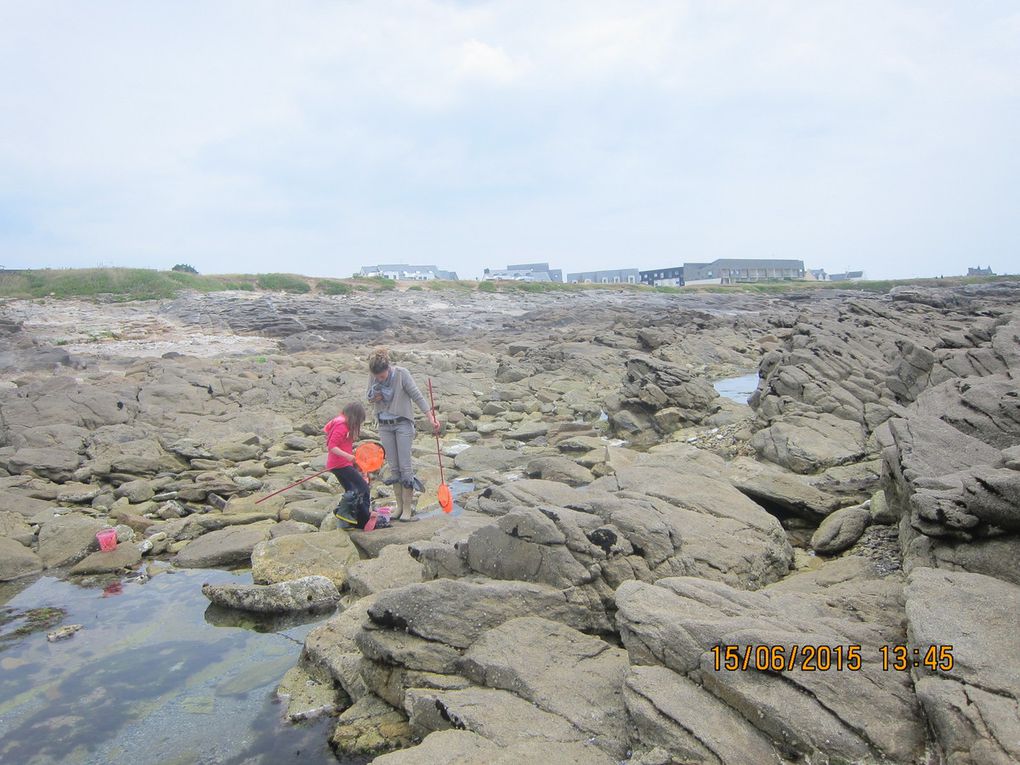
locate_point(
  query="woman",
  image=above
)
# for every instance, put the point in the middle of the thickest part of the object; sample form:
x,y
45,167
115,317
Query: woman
x,y
392,390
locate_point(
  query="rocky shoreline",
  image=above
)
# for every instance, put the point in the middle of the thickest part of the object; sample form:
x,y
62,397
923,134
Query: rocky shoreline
x,y
622,525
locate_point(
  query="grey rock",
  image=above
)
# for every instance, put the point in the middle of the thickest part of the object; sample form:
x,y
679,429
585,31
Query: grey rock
x,y
231,546
310,593
972,707
868,713
306,697
841,530
669,711
325,553
457,612
809,442
66,539
393,568
136,491
56,463
14,526
497,715
561,671
17,561
123,557
559,469
479,459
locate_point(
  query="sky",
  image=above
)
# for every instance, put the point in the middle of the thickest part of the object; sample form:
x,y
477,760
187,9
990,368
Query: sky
x,y
317,137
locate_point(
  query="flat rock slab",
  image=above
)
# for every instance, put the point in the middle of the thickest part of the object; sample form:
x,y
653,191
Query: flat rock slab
x,y
670,711
393,568
481,459
462,747
19,503
500,716
124,556
404,533
864,714
231,546
324,553
310,593
972,707
560,670
457,612
17,561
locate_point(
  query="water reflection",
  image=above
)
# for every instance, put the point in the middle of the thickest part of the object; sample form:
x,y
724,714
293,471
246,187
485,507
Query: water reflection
x,y
154,676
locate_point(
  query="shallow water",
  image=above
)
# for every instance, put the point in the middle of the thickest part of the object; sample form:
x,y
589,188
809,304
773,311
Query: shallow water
x,y
738,389
156,676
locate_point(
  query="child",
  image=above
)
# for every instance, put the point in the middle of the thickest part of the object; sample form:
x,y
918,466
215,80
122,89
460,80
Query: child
x,y
341,433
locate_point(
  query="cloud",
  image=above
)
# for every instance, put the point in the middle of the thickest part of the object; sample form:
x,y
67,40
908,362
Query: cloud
x,y
320,136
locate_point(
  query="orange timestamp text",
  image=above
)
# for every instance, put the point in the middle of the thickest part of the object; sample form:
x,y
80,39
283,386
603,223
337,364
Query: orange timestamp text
x,y
823,658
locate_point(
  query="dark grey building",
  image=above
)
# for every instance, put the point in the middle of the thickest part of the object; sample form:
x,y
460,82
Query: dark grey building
x,y
980,271
672,276
613,276
737,270
849,276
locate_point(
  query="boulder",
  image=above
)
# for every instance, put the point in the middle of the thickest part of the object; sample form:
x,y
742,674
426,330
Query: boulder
x,y
310,593
17,561
136,491
53,462
230,546
481,459
306,697
559,469
775,487
13,526
325,553
841,530
809,442
66,539
122,557
369,727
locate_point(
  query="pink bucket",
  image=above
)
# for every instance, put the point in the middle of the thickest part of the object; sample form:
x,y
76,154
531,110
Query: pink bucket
x,y
107,539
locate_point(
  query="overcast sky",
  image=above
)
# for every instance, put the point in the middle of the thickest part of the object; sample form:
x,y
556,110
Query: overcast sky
x,y
317,137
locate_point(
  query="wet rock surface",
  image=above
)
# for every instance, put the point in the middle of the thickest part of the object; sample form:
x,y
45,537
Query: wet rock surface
x,y
622,526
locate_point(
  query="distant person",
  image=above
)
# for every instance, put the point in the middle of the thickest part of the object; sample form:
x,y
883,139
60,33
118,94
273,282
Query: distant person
x,y
341,433
392,390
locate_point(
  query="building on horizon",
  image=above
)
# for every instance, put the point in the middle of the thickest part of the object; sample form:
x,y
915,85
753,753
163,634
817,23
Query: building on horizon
x,y
611,276
849,276
525,272
817,274
980,271
741,270
663,277
404,272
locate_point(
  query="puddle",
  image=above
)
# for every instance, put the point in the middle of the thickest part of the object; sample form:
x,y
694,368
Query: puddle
x,y
430,509
738,389
150,678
